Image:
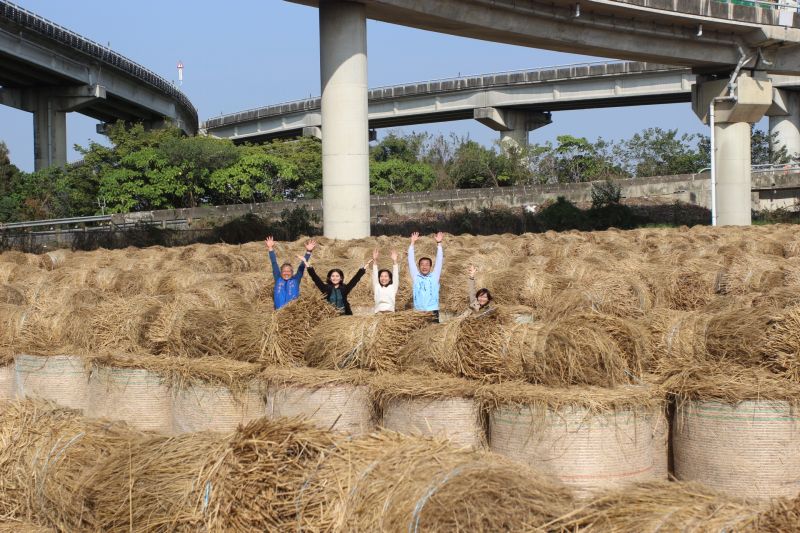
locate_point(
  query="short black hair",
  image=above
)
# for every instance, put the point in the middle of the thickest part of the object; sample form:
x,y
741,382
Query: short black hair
x,y
287,265
428,259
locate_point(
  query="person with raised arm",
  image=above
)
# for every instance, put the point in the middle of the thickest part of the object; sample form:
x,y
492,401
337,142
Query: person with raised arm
x,y
480,301
425,276
334,289
385,284
287,283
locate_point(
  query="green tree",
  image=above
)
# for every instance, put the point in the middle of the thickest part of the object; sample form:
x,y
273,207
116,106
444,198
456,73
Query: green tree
x,y
406,148
256,176
9,180
305,154
659,152
766,149
579,160
397,175
195,159
474,166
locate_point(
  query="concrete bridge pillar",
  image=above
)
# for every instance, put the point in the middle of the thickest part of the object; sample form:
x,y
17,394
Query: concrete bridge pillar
x,y
784,121
345,143
512,124
50,107
733,115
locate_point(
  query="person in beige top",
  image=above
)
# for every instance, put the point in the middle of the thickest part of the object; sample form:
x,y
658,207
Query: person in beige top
x,y
480,301
385,284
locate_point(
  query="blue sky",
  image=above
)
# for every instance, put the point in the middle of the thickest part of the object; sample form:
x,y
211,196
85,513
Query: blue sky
x,y
249,53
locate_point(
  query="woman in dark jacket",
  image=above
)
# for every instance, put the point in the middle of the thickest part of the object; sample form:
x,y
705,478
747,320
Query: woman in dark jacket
x,y
335,289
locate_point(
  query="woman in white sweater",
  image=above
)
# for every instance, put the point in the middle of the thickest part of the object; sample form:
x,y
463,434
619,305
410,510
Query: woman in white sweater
x,y
385,284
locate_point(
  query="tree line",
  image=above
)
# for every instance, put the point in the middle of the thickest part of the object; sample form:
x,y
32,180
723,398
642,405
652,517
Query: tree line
x,y
144,170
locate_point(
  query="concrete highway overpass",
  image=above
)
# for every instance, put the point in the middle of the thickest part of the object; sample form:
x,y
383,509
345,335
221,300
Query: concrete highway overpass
x,y
512,103
50,71
731,48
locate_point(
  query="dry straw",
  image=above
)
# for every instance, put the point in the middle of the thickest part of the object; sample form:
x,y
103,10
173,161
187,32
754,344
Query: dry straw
x,y
291,328
388,482
660,506
371,343
46,455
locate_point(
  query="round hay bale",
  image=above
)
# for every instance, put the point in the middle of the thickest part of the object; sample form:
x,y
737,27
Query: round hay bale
x,y
134,395
391,482
587,450
62,379
370,343
457,420
748,449
290,329
53,260
7,386
212,407
663,506
341,407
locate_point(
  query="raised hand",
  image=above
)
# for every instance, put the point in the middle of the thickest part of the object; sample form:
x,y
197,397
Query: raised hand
x,y
368,264
310,244
394,256
270,243
439,237
414,237
375,254
304,260
472,270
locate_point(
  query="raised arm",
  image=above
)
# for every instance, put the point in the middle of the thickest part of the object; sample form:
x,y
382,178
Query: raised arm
x,y
471,285
396,277
276,271
437,268
309,248
376,284
412,263
355,279
313,273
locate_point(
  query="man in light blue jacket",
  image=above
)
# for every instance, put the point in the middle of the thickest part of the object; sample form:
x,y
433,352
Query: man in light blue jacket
x,y
425,279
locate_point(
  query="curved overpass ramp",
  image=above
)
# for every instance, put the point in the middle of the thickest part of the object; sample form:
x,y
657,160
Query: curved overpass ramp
x,y
732,48
49,71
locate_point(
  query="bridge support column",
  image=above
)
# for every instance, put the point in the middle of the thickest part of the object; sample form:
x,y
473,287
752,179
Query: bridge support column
x,y
784,122
512,124
345,144
50,107
732,121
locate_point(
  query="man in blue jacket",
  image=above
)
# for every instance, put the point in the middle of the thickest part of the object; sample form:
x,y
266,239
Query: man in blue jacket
x,y
425,279
287,283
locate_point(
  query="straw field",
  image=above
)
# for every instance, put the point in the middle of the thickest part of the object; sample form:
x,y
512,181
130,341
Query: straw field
x,y
683,317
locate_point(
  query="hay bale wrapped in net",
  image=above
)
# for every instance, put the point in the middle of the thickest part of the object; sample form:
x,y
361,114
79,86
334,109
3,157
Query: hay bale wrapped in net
x,y
475,347
336,400
214,394
124,389
45,454
663,506
390,482
246,481
367,342
12,320
62,379
590,438
290,329
431,405
8,389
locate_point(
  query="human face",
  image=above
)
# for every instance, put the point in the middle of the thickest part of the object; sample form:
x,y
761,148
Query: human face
x,y
287,272
336,279
425,267
384,279
483,299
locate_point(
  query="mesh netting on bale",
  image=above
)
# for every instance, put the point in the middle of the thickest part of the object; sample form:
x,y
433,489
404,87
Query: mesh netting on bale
x,y
213,407
63,379
45,455
249,480
431,404
589,438
662,506
749,449
8,390
291,328
342,407
389,482
366,342
137,396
